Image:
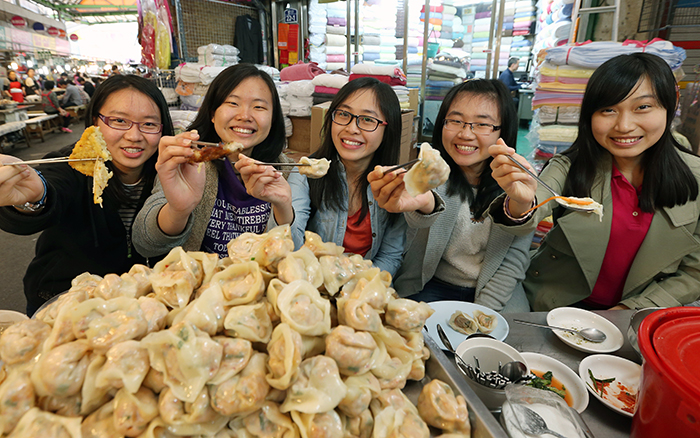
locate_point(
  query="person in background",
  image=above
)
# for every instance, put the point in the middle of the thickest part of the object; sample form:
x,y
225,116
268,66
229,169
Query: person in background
x,y
72,95
31,87
51,105
14,90
78,235
115,70
645,250
453,250
508,79
203,209
362,130
88,86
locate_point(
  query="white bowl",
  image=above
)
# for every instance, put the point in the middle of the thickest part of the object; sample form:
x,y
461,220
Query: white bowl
x,y
9,317
489,352
564,374
577,319
604,366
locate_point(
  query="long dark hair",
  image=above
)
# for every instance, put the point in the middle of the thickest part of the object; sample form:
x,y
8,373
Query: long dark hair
x,y
330,191
668,181
144,86
457,184
271,147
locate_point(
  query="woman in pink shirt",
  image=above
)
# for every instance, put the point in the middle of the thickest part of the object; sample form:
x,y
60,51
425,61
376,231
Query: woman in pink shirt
x,y
645,251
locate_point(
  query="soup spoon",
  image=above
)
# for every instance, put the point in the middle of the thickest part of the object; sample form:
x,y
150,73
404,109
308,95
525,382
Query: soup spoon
x,y
589,334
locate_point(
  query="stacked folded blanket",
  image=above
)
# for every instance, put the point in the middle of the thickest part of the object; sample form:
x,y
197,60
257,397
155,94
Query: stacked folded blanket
x,y
389,74
326,86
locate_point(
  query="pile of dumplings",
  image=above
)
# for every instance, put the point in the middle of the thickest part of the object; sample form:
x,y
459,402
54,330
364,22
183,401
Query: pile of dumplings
x,y
268,342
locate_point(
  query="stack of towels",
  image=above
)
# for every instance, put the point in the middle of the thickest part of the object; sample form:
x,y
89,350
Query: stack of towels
x,y
388,74
317,33
216,55
326,86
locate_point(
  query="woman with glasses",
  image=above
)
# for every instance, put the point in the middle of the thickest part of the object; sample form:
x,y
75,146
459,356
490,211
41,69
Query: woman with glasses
x,y
452,251
203,209
362,129
77,234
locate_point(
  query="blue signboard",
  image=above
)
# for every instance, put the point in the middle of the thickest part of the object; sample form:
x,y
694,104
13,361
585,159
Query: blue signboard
x,y
290,15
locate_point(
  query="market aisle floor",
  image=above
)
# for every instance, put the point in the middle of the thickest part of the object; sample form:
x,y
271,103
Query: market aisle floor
x,y
18,251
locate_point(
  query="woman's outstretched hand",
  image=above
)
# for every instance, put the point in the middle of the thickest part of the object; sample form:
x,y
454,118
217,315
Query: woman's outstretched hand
x,y
390,193
518,185
267,184
18,184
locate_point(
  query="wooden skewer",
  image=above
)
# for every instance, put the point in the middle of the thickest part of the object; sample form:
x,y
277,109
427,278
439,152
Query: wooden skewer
x,y
49,161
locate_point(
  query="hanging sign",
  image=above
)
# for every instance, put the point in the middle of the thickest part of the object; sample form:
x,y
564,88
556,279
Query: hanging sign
x,y
53,31
38,27
291,15
73,37
61,33
18,21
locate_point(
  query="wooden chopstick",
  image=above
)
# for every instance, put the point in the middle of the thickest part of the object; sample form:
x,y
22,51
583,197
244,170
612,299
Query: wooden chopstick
x,y
408,163
49,161
283,164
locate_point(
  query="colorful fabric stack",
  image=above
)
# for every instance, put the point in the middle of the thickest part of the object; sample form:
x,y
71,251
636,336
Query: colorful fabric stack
x,y
553,23
336,31
561,82
379,21
326,86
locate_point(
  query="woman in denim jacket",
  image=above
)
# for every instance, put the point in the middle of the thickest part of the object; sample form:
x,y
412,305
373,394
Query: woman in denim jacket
x,y
362,129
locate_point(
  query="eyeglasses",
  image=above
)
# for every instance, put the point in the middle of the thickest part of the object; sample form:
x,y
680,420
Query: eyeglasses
x,y
477,128
122,124
365,123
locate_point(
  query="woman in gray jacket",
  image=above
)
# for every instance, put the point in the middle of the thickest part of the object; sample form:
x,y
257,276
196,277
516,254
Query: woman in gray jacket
x,y
452,251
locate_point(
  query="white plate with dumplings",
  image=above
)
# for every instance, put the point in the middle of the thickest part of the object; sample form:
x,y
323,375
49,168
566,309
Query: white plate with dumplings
x,y
444,311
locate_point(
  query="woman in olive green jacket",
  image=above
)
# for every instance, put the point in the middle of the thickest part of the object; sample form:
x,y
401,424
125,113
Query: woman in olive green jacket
x,y
624,151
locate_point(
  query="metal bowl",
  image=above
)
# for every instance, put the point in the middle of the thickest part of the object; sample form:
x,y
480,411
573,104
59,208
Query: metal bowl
x,y
635,320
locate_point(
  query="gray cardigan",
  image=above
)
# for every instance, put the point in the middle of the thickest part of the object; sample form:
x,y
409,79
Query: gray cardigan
x,y
150,241
507,257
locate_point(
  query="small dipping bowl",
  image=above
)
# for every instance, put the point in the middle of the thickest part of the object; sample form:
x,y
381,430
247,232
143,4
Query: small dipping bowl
x,y
489,352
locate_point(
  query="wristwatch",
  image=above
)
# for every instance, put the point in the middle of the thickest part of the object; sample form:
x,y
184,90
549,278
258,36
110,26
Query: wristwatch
x,y
33,207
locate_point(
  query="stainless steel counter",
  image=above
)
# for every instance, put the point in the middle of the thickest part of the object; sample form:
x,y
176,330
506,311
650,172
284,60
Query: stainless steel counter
x,y
603,422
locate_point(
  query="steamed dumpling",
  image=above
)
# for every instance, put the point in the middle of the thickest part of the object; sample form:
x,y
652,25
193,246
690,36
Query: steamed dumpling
x,y
302,307
17,396
251,322
22,341
133,411
240,283
301,265
265,249
430,172
317,167
355,352
439,407
463,323
285,349
407,315
321,425
243,393
269,422
126,366
320,248
487,323
318,388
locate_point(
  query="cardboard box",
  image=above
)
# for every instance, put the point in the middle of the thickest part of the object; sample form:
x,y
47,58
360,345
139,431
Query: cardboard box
x,y
413,99
318,114
407,117
299,141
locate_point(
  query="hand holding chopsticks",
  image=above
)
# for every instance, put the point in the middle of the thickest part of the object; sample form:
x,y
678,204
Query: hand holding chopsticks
x,y
404,165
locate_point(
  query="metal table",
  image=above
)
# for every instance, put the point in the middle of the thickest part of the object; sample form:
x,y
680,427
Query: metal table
x,y
603,422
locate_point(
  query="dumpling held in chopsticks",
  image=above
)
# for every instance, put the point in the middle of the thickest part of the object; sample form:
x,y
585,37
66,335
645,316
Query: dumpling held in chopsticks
x,y
430,172
92,145
317,167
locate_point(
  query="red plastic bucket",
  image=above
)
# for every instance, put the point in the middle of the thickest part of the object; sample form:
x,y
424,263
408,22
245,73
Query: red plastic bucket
x,y
668,402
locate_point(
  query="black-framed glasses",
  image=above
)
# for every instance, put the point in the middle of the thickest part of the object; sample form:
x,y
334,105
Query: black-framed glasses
x,y
122,124
477,128
365,123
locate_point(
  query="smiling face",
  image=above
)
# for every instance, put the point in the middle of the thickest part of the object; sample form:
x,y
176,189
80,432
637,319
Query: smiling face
x,y
468,150
628,128
246,114
130,149
355,146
